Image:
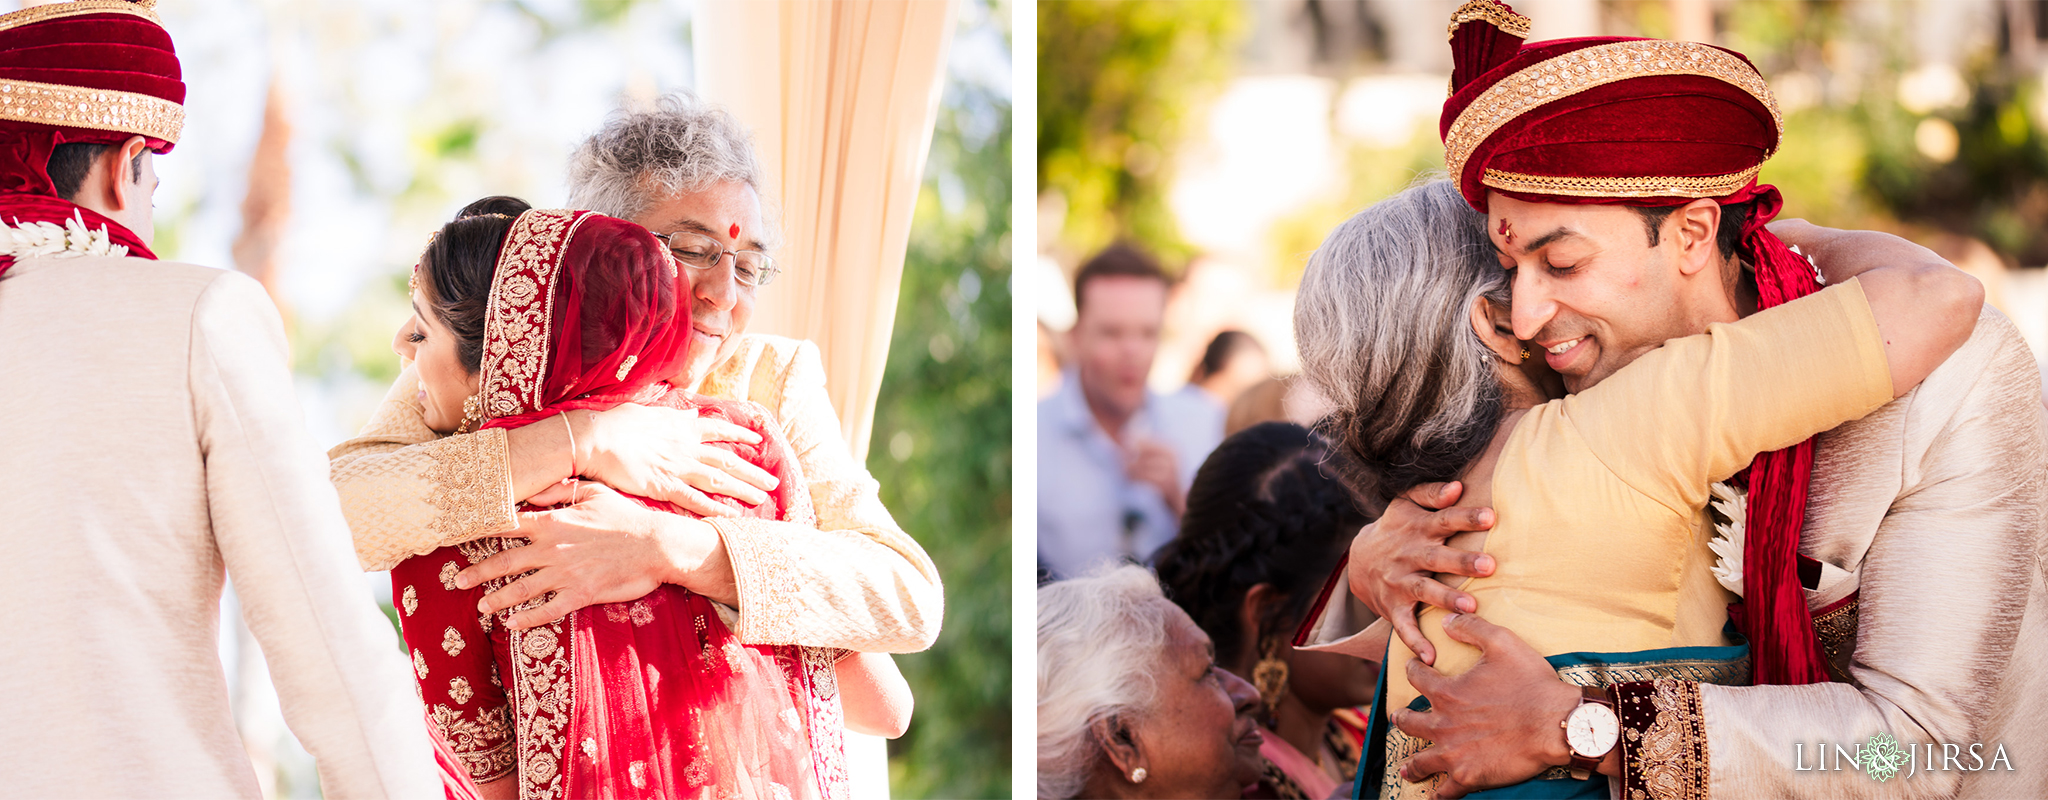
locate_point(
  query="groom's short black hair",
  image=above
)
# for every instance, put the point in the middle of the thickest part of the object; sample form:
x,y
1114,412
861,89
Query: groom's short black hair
x,y
1728,239
1120,260
69,164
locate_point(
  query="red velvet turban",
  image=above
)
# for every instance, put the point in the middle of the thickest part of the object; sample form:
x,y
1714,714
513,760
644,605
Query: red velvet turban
x,y
86,71
1646,122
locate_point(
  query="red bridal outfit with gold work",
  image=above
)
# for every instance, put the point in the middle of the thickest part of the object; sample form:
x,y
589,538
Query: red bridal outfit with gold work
x,y
652,698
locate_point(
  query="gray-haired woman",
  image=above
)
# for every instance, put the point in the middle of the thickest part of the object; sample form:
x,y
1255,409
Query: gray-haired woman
x,y
1403,323
1131,702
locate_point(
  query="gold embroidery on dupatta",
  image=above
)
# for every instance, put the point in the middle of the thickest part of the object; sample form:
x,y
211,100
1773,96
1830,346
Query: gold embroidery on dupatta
x,y
543,687
459,691
483,745
828,727
451,641
517,322
544,697
410,601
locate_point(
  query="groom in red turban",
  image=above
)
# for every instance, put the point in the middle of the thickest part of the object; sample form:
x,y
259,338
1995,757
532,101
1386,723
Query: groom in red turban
x,y
1889,567
149,425
88,91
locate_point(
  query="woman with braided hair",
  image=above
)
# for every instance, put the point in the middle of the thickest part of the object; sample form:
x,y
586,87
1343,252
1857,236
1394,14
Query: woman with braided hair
x,y
1265,523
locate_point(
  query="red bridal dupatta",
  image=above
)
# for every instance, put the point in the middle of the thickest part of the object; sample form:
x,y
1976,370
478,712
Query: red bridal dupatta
x,y
652,698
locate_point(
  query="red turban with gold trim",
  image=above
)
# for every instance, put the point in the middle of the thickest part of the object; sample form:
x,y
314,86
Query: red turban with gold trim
x,y
85,71
1650,123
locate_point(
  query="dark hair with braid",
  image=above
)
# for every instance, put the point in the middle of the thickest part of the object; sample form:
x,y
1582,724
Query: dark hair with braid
x,y
457,268
1263,509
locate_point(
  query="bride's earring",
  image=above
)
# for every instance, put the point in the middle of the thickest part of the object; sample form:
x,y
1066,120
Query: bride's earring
x,y
472,414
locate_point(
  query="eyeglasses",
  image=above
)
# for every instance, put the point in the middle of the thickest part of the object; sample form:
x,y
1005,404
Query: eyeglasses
x,y
697,251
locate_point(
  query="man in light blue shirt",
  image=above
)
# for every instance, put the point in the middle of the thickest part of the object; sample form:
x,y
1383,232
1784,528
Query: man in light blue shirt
x,y
1114,458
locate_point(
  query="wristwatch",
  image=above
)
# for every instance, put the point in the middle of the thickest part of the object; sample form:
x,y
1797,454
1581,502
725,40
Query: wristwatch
x,y
1590,731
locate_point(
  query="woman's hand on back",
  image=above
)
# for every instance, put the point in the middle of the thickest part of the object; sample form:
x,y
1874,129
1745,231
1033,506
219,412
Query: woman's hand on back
x,y
1394,561
667,454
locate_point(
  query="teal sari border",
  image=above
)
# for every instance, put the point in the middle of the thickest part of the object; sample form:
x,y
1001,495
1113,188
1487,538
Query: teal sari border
x,y
1727,665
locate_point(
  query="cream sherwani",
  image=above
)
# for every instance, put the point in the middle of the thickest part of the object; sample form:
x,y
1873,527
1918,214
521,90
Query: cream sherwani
x,y
857,581
153,439
1932,510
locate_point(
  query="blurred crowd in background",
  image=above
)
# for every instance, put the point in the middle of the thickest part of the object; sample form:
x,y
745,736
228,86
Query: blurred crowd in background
x,y
326,140
1221,140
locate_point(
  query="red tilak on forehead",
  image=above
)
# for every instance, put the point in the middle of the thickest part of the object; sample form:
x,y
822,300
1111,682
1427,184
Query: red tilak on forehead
x,y
735,230
1505,233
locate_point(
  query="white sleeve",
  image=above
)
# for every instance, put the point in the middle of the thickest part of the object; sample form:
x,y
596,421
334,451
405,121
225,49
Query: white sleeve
x,y
341,681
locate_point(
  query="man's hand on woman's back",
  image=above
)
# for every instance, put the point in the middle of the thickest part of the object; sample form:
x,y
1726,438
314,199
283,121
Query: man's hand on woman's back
x,y
602,547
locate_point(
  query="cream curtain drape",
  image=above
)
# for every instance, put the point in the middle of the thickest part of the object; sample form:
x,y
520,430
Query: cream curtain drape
x,y
841,97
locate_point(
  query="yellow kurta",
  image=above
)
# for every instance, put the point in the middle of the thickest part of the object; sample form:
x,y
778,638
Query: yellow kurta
x,y
857,581
1599,532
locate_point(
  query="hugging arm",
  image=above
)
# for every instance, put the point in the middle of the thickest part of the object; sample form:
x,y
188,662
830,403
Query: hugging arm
x,y
407,489
855,580
873,695
1680,417
1924,306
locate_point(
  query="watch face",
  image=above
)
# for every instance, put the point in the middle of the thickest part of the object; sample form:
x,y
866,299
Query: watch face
x,y
1592,730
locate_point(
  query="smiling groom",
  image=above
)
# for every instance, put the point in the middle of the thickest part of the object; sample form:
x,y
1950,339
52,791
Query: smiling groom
x,y
1891,572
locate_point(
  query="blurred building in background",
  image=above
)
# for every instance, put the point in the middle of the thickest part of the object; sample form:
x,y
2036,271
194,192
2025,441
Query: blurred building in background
x,y
1231,136
325,141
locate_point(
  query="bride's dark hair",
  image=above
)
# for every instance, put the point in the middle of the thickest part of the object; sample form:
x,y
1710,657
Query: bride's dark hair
x,y
457,266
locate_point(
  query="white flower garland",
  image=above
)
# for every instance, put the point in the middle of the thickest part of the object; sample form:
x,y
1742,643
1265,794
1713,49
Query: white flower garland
x,y
1731,518
25,240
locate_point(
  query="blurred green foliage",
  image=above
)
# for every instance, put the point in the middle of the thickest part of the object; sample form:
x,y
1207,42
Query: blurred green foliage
x,y
942,442
1118,85
1856,158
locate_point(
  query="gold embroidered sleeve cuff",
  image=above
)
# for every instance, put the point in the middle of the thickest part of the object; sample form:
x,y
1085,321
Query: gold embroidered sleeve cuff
x,y
765,578
1663,740
827,588
408,499
471,486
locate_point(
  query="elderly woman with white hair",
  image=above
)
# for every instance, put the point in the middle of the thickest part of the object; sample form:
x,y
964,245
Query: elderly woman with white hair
x,y
1131,701
686,171
1605,567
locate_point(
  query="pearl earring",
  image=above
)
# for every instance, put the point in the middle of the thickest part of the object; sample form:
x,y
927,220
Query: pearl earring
x,y
1138,775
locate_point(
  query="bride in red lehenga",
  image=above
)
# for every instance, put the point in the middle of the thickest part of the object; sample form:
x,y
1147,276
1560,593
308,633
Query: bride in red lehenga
x,y
651,698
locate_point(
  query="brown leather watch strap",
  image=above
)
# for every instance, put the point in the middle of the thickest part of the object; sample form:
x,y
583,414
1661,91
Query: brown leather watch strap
x,y
1583,767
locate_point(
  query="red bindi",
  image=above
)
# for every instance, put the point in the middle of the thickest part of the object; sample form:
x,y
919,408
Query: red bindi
x,y
735,230
1506,233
